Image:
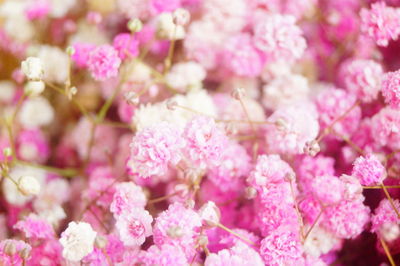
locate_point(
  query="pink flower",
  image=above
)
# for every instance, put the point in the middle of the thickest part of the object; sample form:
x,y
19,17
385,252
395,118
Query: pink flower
x,y
327,189
134,225
18,246
127,196
281,247
164,255
33,146
160,6
279,37
346,220
333,103
381,23
240,254
391,88
204,141
362,78
241,57
385,214
154,149
37,9
385,128
81,54
103,62
126,45
369,170
178,226
35,227
269,170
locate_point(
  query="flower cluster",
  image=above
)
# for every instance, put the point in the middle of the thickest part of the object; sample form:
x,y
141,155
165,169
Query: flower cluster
x,y
199,132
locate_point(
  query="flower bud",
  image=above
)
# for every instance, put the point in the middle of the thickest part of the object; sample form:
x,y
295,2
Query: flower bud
x,y
32,67
135,25
70,50
171,104
28,185
238,93
250,193
34,88
210,213
9,248
100,242
175,232
24,253
311,148
7,152
181,16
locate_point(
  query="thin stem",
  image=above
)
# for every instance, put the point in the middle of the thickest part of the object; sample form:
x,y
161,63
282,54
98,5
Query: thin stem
x,y
107,105
11,139
223,227
351,144
390,200
314,223
328,129
66,172
168,60
299,216
380,187
162,198
386,248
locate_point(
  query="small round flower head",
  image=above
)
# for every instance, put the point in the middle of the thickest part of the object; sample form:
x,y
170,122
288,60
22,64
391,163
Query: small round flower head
x,y
210,214
167,29
369,170
104,62
35,227
28,185
347,219
11,250
293,126
327,189
281,247
240,254
178,226
385,128
164,255
154,149
269,169
127,196
308,167
186,76
381,23
385,214
333,103
285,90
391,89
204,141
32,146
362,78
34,88
126,45
279,37
77,241
55,63
352,188
81,54
181,16
241,57
36,112
134,225
235,164
32,67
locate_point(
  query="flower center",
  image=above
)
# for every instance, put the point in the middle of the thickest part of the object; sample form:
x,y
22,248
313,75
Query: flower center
x,y
136,228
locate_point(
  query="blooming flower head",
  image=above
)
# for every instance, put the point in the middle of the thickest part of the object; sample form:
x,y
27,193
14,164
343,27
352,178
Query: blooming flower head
x,y
126,45
381,23
178,226
127,196
32,67
134,226
269,169
77,241
281,247
35,227
279,37
103,62
328,189
362,78
154,149
164,255
369,170
384,216
81,54
391,89
204,141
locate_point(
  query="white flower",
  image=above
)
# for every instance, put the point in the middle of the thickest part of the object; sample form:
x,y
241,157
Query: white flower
x,y
55,63
319,242
77,241
167,29
36,112
34,88
19,28
32,67
12,193
28,185
186,76
210,213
